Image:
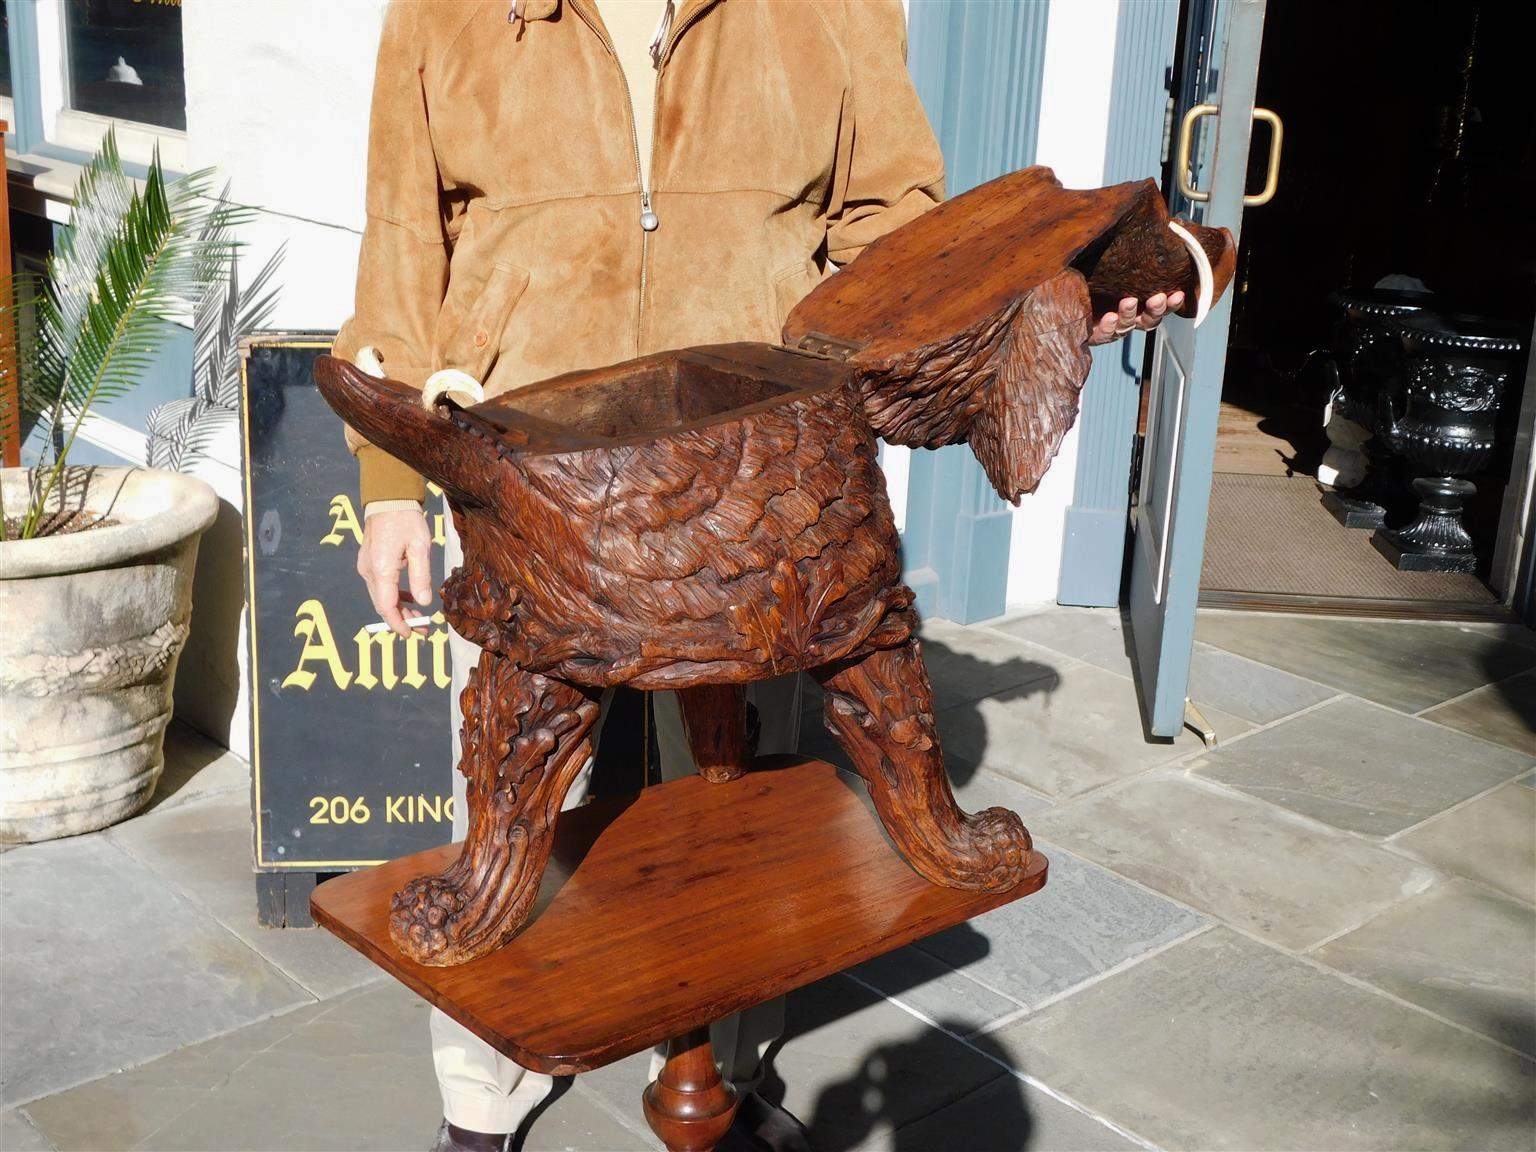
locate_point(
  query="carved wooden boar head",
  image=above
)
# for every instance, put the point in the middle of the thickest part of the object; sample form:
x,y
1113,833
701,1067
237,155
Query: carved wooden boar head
x,y
970,323
390,414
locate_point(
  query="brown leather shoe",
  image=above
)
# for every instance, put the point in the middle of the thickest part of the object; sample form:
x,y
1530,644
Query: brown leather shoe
x,y
452,1138
763,1127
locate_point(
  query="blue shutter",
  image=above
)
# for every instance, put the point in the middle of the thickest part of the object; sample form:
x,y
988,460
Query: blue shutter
x,y
977,68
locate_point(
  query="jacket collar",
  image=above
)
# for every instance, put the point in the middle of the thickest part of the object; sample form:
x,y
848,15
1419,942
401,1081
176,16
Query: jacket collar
x,y
687,11
546,9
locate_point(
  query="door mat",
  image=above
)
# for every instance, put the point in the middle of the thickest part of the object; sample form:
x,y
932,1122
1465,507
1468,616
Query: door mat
x,y
1270,535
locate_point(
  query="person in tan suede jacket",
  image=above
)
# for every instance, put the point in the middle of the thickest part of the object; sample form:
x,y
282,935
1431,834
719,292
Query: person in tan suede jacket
x,y
505,206
542,197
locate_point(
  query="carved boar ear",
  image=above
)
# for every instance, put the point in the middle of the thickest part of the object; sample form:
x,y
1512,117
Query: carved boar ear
x,y
390,414
1039,369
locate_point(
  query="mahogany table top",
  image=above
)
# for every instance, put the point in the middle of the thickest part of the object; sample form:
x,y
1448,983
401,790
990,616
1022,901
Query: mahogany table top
x,y
669,909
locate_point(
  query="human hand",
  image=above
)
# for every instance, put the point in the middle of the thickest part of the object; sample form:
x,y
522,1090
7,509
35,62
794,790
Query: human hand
x,y
393,541
1131,318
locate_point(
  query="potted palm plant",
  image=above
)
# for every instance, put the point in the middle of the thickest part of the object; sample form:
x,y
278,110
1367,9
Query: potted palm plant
x,y
96,563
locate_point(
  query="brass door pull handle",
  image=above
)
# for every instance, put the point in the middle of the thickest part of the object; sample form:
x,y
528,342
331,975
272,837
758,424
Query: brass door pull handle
x,y
1272,177
1186,135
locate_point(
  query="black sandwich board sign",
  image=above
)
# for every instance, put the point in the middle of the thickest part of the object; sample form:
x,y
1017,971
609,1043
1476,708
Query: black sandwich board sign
x,y
351,758
351,753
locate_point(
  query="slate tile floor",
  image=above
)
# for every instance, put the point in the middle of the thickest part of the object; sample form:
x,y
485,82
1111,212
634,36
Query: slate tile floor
x,y
1321,934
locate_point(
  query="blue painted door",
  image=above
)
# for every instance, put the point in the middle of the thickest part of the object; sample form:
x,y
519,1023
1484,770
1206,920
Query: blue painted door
x,y
1221,67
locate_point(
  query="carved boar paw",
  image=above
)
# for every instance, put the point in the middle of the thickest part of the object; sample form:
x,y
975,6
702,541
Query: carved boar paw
x,y
991,854
422,916
426,920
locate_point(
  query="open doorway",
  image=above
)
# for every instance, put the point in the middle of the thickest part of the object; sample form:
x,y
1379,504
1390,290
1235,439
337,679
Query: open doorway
x,y
1408,165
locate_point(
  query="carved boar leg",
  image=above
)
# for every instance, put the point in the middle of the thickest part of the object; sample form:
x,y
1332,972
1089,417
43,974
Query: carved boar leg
x,y
881,710
525,741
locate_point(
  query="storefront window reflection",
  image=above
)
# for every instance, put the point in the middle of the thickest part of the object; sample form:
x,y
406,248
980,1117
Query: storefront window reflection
x,y
125,60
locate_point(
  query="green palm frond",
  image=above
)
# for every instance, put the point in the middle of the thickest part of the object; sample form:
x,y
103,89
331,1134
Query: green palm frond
x,y
28,290
102,197
131,261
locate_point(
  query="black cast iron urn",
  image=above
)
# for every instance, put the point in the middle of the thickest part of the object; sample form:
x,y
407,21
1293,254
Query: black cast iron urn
x,y
1456,371
1365,363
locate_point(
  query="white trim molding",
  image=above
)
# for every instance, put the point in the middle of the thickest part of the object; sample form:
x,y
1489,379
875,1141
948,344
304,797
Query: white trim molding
x,y
107,434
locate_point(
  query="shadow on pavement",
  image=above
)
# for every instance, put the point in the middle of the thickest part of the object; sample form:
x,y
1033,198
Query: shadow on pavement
x,y
871,1100
1013,679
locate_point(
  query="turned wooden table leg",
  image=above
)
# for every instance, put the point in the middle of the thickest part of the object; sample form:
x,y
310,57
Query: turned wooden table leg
x,y
715,718
688,1105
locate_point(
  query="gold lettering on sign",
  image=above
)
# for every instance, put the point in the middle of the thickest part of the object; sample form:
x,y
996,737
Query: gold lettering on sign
x,y
413,677
319,645
401,809
439,641
385,643
343,520
418,809
377,663
439,535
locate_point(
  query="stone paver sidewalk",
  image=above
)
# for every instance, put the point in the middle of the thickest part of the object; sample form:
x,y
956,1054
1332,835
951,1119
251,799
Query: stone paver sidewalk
x,y
1321,934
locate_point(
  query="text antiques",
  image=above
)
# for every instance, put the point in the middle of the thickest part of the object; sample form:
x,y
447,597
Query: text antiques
x,y
350,727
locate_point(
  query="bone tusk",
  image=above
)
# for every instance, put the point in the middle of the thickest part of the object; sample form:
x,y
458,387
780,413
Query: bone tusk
x,y
367,359
460,387
1202,266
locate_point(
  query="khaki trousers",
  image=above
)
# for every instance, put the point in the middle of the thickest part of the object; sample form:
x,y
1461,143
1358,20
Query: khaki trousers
x,y
484,1091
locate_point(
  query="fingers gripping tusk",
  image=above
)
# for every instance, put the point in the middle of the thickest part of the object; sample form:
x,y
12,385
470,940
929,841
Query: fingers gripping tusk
x,y
1202,267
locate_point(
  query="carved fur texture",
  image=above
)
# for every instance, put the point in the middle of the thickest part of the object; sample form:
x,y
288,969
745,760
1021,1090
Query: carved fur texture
x,y
732,552
1009,386
880,708
525,741
1040,374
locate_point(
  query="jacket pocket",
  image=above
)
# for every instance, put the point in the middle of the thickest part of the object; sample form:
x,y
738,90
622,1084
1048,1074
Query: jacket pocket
x,y
474,318
790,285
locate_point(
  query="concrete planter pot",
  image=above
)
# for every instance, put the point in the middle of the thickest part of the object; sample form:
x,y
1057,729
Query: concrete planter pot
x,y
93,624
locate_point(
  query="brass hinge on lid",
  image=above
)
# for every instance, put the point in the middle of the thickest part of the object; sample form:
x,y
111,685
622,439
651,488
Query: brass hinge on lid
x,y
830,347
